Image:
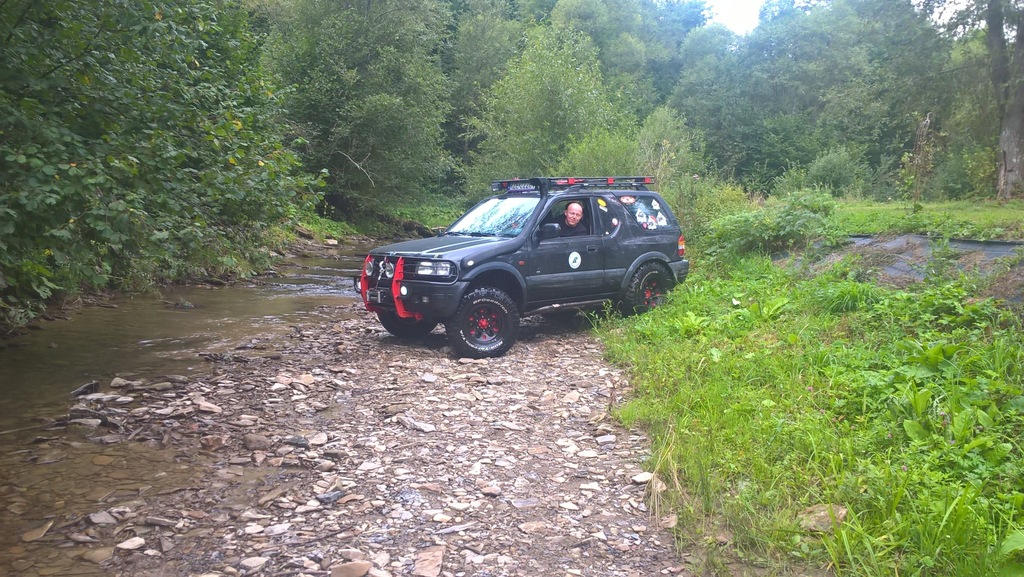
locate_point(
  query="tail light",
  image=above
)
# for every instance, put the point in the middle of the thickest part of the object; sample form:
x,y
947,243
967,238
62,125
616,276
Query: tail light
x,y
681,247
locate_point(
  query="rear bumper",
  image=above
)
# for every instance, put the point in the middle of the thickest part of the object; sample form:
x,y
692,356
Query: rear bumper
x,y
680,269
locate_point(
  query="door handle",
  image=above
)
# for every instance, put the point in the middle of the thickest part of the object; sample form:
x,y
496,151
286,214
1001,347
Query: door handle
x,y
592,248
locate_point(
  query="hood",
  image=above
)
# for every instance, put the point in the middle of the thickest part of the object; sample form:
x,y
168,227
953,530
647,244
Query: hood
x,y
453,248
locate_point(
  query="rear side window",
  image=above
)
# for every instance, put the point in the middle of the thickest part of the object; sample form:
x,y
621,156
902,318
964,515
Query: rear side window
x,y
649,212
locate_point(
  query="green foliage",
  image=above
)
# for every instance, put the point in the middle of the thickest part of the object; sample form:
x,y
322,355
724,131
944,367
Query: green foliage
x,y
527,136
766,394
486,39
795,221
668,149
600,152
368,95
137,142
699,201
839,171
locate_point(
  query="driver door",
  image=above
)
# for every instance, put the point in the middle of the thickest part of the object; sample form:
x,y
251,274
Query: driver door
x,y
566,269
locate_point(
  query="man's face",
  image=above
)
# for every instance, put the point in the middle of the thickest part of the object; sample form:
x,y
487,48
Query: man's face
x,y
573,214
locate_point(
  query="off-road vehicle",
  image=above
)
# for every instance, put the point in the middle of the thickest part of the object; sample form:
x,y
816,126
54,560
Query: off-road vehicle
x,y
510,256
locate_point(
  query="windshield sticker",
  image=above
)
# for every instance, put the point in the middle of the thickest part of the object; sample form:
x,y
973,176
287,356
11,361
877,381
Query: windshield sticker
x,y
655,205
601,204
627,199
575,260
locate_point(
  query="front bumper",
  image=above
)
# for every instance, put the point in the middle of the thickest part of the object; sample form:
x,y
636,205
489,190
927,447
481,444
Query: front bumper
x,y
420,299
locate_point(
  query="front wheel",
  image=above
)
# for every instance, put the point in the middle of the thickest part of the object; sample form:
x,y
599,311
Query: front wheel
x,y
405,328
486,324
647,289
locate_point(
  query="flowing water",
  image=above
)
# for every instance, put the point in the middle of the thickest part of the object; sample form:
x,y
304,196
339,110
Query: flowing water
x,y
160,334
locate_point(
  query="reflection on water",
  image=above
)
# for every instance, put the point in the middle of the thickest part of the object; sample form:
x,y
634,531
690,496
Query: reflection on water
x,y
158,334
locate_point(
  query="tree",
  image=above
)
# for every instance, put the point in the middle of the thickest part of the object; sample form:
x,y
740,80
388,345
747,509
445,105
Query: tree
x,y
367,94
487,38
552,96
1007,73
1001,22
138,141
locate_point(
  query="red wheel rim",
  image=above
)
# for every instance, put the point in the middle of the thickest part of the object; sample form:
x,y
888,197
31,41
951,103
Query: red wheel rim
x,y
652,293
484,324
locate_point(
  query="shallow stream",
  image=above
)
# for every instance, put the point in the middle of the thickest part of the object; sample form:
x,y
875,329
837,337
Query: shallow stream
x,y
160,334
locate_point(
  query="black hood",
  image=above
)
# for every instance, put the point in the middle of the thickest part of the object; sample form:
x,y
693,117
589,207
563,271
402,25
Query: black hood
x,y
454,248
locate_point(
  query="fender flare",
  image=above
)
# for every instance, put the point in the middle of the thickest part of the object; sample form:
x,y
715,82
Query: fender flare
x,y
644,258
503,267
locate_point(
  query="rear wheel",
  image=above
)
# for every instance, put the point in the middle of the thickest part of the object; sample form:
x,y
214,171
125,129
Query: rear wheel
x,y
405,328
647,288
486,324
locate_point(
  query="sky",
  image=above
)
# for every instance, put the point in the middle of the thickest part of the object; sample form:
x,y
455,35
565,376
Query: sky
x,y
740,16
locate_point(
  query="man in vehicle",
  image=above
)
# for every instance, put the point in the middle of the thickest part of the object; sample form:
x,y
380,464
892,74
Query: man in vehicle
x,y
571,222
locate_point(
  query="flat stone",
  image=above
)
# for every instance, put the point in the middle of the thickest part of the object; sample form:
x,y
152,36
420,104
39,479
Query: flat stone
x,y
253,563
99,555
132,544
255,442
351,569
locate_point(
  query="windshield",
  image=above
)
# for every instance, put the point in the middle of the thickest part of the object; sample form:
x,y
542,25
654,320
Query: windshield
x,y
496,217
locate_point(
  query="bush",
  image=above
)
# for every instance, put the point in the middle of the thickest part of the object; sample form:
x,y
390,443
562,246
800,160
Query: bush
x,y
797,220
700,201
840,171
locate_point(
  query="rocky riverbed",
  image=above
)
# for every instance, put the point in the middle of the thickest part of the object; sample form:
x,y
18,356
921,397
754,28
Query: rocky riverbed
x,y
339,450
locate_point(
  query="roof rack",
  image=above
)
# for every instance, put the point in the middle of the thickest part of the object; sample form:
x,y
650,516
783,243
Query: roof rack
x,y
546,184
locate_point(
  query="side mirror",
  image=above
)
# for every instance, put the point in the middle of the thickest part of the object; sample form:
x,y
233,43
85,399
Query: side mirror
x,y
549,230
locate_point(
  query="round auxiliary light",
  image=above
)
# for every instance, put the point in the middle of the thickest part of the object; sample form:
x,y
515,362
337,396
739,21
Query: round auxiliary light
x,y
368,267
389,269
403,290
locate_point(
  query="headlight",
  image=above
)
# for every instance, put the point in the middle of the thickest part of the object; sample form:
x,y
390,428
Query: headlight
x,y
368,267
434,268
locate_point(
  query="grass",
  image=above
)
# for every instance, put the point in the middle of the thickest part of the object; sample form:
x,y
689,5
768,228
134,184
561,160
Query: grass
x,y
965,219
766,392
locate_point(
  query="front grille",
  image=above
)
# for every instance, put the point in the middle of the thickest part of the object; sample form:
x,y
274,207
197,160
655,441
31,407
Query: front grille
x,y
384,270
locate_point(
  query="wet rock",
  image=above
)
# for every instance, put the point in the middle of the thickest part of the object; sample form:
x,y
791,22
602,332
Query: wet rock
x,y
86,389
102,518
98,555
37,533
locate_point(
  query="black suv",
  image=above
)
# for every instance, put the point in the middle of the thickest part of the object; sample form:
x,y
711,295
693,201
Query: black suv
x,y
512,255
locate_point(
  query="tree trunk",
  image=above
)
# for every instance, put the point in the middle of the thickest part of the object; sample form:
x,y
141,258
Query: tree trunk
x,y
1008,81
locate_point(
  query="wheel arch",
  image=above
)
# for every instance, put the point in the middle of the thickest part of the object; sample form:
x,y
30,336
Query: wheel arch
x,y
642,260
500,276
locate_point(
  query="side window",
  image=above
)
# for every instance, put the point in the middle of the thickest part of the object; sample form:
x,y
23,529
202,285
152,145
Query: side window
x,y
574,215
609,215
646,210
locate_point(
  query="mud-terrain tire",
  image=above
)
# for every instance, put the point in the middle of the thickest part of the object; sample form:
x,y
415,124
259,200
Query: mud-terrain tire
x,y
647,289
486,324
405,328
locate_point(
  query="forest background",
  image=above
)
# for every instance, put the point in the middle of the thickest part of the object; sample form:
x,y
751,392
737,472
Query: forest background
x,y
149,141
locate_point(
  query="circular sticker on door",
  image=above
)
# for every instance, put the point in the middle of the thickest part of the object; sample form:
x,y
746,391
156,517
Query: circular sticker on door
x,y
575,260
